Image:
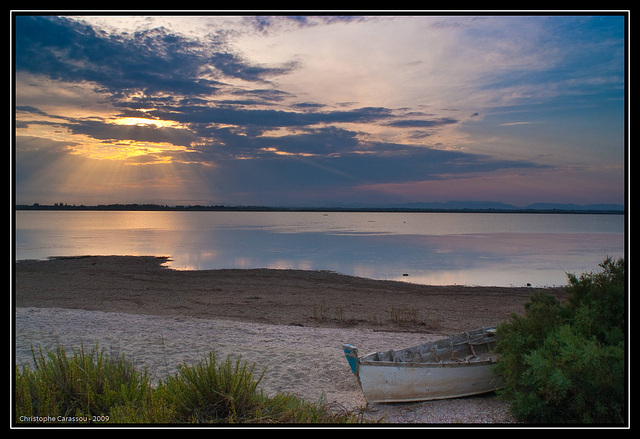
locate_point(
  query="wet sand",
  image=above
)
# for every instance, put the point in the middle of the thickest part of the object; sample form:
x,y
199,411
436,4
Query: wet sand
x,y
289,323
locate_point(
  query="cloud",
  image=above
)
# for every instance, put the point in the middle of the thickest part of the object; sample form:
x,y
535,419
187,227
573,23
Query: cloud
x,y
29,109
410,123
320,102
176,79
153,60
514,123
142,133
266,118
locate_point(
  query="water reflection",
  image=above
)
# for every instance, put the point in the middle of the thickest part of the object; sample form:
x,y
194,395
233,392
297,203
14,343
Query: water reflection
x,y
433,249
497,259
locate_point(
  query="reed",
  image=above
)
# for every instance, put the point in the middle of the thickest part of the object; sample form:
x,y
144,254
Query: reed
x,y
323,312
408,316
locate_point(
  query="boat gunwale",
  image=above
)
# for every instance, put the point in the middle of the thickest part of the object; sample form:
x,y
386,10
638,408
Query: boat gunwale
x,y
461,363
477,337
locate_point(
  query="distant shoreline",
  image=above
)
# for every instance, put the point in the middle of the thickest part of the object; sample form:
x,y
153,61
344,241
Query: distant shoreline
x,y
225,208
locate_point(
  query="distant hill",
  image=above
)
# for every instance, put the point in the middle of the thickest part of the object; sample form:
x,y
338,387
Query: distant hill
x,y
557,206
491,205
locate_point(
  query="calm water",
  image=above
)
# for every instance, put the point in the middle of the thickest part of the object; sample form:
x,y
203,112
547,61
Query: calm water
x,y
430,248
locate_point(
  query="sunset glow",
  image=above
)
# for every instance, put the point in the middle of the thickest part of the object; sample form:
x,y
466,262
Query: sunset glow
x,y
141,121
320,110
128,151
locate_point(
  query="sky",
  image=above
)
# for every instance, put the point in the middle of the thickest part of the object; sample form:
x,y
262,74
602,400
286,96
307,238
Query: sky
x,y
319,110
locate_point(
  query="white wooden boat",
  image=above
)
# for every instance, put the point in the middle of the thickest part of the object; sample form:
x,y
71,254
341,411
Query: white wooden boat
x,y
460,365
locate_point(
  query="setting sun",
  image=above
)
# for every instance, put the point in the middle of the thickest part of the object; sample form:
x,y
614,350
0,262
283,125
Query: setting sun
x,y
143,121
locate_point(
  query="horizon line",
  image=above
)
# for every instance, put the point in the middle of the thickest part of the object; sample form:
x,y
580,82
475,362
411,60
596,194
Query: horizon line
x,y
408,207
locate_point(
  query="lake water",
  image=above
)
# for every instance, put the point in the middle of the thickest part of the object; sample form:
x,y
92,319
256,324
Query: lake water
x,y
429,248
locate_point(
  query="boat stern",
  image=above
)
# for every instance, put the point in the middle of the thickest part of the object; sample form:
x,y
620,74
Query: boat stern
x,y
351,352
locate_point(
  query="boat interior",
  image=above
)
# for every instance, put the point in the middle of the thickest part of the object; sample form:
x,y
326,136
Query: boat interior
x,y
467,347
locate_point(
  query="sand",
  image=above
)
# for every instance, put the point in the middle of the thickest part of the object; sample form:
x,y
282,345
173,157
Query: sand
x,y
288,323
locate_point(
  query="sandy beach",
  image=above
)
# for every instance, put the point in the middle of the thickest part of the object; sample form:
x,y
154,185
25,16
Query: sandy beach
x,y
289,323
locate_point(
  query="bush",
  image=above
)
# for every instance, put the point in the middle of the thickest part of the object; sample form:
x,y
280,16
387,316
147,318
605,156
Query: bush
x,y
89,384
207,391
565,362
84,385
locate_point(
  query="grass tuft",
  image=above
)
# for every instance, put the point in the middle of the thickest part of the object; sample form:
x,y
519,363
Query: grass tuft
x,y
91,387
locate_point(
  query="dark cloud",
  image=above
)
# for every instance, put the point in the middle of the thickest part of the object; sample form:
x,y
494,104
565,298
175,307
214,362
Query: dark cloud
x,y
411,123
267,119
328,141
321,141
271,173
29,109
153,60
332,156
264,95
264,23
141,133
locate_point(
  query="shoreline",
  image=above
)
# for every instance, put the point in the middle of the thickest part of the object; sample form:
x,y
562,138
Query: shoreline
x,y
289,322
142,285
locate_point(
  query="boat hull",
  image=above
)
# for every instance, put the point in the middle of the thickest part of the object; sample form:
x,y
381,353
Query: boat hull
x,y
460,365
422,382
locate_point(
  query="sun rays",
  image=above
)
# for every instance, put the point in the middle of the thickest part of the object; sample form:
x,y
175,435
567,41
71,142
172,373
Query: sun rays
x,y
130,152
318,110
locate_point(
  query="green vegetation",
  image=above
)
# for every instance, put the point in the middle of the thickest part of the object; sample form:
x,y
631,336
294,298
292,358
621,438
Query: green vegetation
x,y
74,387
564,363
90,388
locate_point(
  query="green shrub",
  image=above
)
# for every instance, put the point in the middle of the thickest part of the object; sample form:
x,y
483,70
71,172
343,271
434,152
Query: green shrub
x,y
83,385
206,391
565,362
89,384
